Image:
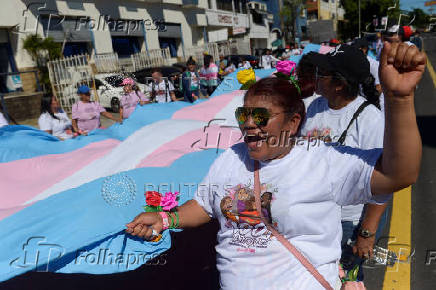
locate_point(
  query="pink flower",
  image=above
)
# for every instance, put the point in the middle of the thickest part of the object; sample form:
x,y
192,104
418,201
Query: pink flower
x,y
169,201
286,67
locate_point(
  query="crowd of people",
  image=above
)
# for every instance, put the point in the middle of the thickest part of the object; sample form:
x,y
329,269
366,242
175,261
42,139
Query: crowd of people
x,y
329,203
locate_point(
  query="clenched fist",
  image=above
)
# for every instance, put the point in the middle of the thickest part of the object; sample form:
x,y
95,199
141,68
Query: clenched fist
x,y
144,224
401,68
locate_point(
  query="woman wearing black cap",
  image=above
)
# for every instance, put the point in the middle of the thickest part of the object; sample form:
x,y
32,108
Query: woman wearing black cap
x,y
342,115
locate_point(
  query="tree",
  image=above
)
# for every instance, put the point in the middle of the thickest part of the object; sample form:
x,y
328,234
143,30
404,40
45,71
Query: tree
x,y
368,9
422,19
289,14
42,50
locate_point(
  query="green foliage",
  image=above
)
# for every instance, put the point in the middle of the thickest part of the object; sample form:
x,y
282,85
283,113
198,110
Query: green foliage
x,y
369,8
422,19
42,50
289,14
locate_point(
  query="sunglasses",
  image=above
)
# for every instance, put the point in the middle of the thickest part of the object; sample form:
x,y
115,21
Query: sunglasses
x,y
260,115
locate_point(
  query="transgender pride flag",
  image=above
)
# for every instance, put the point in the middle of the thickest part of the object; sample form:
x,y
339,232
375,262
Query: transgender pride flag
x,y
64,204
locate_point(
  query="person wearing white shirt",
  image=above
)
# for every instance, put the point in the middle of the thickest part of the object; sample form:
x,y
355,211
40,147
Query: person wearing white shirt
x,y
268,60
244,64
161,91
3,121
340,115
363,45
53,119
266,194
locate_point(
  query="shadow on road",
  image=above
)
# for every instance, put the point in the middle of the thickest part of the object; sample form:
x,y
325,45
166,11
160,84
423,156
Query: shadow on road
x,y
427,128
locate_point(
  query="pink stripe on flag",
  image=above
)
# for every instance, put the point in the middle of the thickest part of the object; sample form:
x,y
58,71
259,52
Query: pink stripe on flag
x,y
325,49
197,140
206,111
24,179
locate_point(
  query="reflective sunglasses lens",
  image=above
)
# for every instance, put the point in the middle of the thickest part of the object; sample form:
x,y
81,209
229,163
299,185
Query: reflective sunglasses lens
x,y
241,115
260,116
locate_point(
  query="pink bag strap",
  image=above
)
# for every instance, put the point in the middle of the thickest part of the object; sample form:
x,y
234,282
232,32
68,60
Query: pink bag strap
x,y
281,238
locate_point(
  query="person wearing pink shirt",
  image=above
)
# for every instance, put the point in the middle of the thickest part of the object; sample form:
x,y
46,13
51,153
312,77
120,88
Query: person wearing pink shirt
x,y
86,114
131,98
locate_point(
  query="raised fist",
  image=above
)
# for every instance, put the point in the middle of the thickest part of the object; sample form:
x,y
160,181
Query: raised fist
x,y
401,68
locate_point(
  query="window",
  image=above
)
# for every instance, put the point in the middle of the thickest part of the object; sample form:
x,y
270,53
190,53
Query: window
x,y
241,6
224,5
51,22
125,46
75,48
75,5
171,43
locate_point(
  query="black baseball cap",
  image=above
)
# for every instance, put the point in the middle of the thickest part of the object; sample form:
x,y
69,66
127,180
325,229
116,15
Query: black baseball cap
x,y
361,42
347,60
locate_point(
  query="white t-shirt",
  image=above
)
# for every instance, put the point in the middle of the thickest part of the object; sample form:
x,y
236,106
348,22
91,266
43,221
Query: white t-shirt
x,y
267,61
245,65
47,123
302,194
307,101
3,121
165,95
373,67
366,132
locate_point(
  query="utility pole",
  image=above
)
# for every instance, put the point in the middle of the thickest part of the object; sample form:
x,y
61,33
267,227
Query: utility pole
x,y
359,21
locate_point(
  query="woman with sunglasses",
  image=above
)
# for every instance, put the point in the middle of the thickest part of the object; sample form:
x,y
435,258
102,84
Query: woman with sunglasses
x,y
86,114
302,189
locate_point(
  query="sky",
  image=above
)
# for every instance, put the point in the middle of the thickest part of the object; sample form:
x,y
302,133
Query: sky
x,y
409,4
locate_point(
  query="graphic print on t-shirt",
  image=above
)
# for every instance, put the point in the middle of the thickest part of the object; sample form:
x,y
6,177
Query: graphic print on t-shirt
x,y
324,134
239,208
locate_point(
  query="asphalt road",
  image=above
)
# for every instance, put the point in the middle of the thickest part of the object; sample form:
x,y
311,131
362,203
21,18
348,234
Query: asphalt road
x,y
423,228
424,191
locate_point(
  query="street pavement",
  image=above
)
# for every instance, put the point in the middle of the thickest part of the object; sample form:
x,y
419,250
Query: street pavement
x,y
423,199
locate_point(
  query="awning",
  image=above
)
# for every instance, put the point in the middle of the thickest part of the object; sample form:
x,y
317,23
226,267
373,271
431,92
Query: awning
x,y
277,43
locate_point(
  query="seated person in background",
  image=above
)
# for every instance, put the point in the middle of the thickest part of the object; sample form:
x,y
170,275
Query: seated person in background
x,y
161,91
245,64
86,114
3,121
53,119
130,98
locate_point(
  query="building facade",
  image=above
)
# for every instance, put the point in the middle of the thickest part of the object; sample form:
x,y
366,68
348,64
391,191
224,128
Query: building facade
x,y
325,10
127,27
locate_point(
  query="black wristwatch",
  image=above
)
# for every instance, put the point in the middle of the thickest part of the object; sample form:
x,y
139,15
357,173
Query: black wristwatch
x,y
365,233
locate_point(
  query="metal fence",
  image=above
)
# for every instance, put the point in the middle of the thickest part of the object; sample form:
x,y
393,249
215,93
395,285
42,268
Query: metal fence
x,y
107,62
66,75
152,58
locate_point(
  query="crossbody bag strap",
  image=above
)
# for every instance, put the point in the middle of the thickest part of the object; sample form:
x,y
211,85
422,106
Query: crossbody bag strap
x,y
356,114
312,270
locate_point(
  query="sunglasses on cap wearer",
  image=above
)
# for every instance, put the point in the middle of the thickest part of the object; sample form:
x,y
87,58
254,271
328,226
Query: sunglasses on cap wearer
x,y
260,115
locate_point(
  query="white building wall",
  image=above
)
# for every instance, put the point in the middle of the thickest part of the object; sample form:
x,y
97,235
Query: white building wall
x,y
192,21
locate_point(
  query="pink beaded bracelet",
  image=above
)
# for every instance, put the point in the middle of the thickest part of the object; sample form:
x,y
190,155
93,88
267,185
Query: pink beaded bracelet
x,y
164,220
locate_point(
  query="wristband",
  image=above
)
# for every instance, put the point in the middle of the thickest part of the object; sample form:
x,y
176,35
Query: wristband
x,y
164,220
